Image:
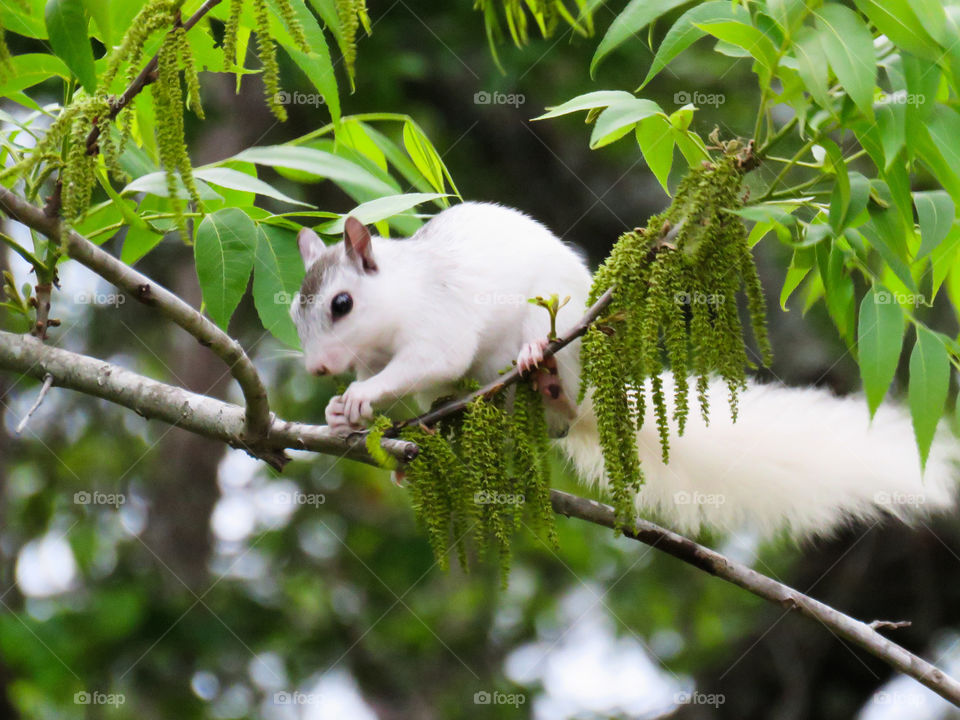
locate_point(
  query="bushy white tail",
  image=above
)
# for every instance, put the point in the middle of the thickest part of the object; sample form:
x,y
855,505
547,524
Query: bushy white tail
x,y
797,460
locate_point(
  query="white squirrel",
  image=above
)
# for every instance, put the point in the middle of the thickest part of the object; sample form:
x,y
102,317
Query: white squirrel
x,y
414,316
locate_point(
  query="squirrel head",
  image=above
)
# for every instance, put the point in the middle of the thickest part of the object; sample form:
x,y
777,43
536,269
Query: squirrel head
x,y
336,309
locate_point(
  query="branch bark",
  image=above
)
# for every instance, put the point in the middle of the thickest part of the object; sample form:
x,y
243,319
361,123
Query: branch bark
x,y
236,426
257,417
200,414
712,562
223,421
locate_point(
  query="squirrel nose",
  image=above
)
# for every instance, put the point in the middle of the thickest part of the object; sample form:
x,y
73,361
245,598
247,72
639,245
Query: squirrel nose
x,y
317,369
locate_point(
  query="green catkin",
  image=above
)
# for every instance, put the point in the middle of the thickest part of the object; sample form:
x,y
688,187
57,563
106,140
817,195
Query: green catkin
x,y
155,15
373,440
230,35
168,101
78,175
267,51
6,59
350,13
292,22
190,78
478,474
676,287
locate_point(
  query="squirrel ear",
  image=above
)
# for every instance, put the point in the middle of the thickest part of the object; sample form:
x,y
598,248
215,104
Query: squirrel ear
x,y
356,239
311,246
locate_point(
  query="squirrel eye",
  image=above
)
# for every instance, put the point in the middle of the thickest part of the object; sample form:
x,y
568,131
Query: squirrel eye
x,y
342,304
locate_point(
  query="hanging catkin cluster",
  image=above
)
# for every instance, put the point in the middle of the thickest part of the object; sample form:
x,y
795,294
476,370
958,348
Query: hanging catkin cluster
x,y
478,474
546,15
266,46
351,14
676,284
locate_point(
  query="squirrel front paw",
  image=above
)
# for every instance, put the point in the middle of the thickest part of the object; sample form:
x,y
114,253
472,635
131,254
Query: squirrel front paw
x,y
337,417
358,403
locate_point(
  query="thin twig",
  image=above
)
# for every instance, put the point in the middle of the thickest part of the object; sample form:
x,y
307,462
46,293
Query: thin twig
x,y
508,378
714,563
892,624
47,384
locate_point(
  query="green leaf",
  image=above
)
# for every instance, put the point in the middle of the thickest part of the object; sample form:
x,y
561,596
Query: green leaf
x,y
617,120
636,16
789,13
155,183
316,162
99,10
746,36
839,288
224,252
879,341
67,26
655,138
32,69
929,383
587,101
896,20
685,31
848,45
236,180
424,156
940,151
812,65
277,274
936,212
844,210
800,265
24,19
318,67
380,209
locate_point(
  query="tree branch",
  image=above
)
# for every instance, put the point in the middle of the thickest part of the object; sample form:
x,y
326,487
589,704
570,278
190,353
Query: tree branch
x,y
200,414
223,421
146,76
257,416
714,563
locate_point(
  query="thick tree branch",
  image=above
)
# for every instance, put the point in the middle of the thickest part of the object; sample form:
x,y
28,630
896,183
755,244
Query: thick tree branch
x,y
223,421
139,286
200,414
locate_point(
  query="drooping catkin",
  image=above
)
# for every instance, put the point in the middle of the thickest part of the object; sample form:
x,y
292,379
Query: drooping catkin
x,y
479,474
676,298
